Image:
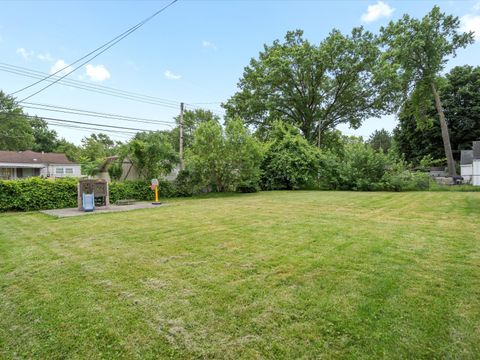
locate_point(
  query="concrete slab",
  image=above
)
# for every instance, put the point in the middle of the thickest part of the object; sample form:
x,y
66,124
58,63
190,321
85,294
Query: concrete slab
x,y
61,213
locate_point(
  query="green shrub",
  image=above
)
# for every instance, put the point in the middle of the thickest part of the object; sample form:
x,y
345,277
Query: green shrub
x,y
139,190
362,168
359,167
290,162
187,183
247,188
37,194
40,194
406,181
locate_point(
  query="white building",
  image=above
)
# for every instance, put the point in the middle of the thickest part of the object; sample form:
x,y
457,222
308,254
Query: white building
x,y
470,164
24,164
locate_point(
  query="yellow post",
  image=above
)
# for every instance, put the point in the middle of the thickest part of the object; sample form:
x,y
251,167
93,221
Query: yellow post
x,y
154,187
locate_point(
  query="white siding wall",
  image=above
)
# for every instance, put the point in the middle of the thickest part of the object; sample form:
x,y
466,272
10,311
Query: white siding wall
x,y
466,172
69,170
476,172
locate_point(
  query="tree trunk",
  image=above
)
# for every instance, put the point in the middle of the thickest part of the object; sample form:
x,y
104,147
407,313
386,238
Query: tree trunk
x,y
445,136
319,134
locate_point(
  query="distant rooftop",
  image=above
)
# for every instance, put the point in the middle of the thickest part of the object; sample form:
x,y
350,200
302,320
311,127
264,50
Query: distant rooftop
x,y
32,157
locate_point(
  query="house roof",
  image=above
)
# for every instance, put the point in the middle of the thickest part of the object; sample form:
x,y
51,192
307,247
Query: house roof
x,y
466,157
476,150
32,157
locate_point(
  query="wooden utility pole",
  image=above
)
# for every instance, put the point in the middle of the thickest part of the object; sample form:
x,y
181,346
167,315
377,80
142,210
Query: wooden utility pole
x,y
182,165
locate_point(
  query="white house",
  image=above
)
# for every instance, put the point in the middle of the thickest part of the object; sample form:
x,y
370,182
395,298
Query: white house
x,y
24,164
470,164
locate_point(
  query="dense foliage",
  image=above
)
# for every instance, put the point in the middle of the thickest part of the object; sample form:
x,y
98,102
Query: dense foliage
x,y
461,100
361,167
224,159
152,154
380,140
139,190
314,87
37,194
419,49
290,161
15,129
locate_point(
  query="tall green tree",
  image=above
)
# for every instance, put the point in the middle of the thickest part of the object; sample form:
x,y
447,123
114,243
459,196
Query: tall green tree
x,y
419,49
72,151
98,146
290,161
15,129
191,121
45,139
152,154
461,103
314,87
224,158
94,150
380,140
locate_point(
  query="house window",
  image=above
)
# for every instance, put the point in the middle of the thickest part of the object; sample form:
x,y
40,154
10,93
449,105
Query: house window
x,y
6,173
58,171
69,171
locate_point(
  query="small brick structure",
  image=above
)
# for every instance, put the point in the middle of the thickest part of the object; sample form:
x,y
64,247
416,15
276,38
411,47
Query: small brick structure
x,y
98,187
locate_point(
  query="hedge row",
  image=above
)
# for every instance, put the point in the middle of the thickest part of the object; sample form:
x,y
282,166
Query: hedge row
x,y
139,190
39,194
36,194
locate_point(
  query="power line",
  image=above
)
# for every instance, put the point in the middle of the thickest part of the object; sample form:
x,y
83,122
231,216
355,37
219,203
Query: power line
x,y
89,113
90,129
98,89
87,123
208,103
101,89
106,46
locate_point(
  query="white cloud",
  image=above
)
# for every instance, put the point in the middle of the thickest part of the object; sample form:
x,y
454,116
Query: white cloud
x,y
60,64
45,57
171,76
471,22
209,45
26,54
97,72
377,11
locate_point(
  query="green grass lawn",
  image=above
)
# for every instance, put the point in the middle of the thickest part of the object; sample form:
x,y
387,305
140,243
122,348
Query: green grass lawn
x,y
269,275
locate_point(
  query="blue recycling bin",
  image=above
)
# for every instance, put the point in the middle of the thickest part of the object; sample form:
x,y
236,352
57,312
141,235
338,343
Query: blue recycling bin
x,y
88,201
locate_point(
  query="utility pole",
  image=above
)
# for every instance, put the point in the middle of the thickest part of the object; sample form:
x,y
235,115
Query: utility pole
x,y
182,165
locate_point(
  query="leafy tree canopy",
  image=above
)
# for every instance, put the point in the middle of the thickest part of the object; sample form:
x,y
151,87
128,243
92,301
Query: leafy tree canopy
x,y
315,88
191,121
15,129
152,154
71,150
419,49
380,140
290,161
224,158
98,146
45,139
461,101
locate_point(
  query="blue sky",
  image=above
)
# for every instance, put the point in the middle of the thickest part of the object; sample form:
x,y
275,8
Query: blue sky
x,y
194,52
